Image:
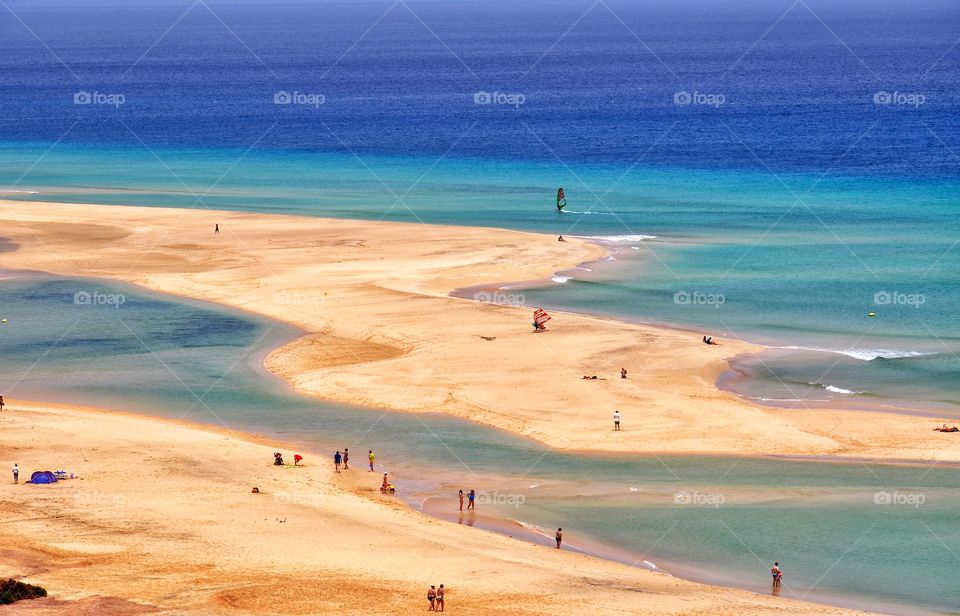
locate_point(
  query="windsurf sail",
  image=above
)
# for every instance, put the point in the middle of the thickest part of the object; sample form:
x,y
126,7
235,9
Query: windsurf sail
x,y
561,199
540,318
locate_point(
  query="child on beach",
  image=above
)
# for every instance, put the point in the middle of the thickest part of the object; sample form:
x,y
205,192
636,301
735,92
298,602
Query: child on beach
x,y
461,500
777,575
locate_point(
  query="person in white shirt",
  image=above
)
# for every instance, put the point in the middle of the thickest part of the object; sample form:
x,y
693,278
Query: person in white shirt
x,y
16,473
616,420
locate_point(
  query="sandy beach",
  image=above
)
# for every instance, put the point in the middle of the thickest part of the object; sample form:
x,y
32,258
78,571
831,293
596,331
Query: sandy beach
x,y
382,330
161,519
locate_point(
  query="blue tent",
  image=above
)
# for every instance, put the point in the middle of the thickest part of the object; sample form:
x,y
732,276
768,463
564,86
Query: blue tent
x,y
43,477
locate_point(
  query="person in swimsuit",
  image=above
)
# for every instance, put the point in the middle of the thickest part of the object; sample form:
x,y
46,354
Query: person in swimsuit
x,y
559,537
216,228
623,373
337,458
440,593
471,497
432,598
777,575
346,458
461,500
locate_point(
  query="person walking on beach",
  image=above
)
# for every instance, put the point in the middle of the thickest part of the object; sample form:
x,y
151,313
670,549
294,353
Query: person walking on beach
x,y
432,598
371,458
216,228
777,575
623,373
16,473
337,458
440,593
471,497
461,500
1,403
616,421
346,458
559,537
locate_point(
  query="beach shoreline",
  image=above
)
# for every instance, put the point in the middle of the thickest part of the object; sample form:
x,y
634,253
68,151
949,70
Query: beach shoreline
x,y
382,330
129,506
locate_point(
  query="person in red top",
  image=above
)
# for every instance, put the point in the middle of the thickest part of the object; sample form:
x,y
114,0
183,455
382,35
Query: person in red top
x,y
777,575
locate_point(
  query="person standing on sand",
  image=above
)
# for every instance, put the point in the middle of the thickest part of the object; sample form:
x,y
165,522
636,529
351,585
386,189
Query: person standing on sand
x,y
346,458
559,537
337,458
440,593
461,500
432,598
623,373
372,458
216,228
16,473
616,421
1,403
777,575
471,497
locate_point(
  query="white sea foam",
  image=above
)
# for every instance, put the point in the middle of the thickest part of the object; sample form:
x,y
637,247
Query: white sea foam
x,y
561,279
839,390
864,354
618,238
19,192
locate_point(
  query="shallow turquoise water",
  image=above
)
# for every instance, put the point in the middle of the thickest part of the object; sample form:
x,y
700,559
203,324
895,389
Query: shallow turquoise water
x,y
715,519
790,260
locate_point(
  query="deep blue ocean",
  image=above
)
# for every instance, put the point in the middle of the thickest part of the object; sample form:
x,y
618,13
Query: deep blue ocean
x,y
775,171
